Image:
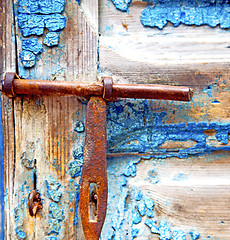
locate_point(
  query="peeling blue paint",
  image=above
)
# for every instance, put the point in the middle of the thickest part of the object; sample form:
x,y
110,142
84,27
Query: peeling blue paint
x,y
41,6
28,58
20,234
122,5
75,168
33,18
134,232
133,128
56,212
54,226
51,39
78,153
194,235
75,222
164,231
53,191
152,224
136,216
141,208
189,13
79,127
32,45
138,196
130,170
179,235
35,24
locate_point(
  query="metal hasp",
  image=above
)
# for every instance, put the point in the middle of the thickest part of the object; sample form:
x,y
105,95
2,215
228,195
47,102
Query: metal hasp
x,y
94,189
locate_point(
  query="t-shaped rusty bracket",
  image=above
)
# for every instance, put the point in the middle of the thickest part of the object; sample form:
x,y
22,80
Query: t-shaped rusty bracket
x,y
94,188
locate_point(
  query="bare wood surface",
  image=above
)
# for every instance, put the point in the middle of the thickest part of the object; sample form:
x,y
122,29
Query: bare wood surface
x,y
7,63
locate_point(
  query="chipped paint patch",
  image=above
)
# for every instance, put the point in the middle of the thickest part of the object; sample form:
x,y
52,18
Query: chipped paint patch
x,y
133,128
122,5
75,168
53,190
33,18
51,39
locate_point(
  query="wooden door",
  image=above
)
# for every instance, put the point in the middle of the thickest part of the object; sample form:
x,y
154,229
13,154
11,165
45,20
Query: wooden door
x,y
168,162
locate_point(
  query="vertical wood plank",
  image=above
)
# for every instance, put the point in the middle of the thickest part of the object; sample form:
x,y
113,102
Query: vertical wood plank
x,y
44,128
7,63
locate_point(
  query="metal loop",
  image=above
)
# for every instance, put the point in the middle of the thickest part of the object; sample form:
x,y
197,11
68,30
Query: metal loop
x,y
108,88
8,84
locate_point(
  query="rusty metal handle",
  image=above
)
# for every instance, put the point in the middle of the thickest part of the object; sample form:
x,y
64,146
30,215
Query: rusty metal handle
x,y
12,86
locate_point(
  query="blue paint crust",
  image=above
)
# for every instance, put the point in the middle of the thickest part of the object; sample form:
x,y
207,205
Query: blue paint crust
x,y
41,6
53,191
187,12
75,168
122,5
21,235
179,235
56,212
27,58
1,181
164,231
51,39
79,127
32,45
194,235
35,24
133,128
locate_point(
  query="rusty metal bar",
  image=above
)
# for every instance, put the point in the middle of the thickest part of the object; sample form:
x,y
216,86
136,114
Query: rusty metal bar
x,y
41,87
94,170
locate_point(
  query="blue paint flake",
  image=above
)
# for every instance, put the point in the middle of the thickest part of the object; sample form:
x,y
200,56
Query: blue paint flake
x,y
51,39
78,153
32,45
35,24
133,128
194,235
134,232
79,127
55,22
152,224
141,208
179,235
130,170
56,212
138,196
27,58
41,6
75,222
53,191
164,231
54,226
75,168
122,5
187,12
20,234
136,217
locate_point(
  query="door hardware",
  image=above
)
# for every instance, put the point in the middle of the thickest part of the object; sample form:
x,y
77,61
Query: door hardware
x,y
94,170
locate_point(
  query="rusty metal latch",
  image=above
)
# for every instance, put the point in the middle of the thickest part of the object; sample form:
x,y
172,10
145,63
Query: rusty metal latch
x,y
94,174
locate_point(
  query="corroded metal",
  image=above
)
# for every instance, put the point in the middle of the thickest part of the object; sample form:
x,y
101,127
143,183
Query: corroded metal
x,y
34,202
94,168
94,189
107,90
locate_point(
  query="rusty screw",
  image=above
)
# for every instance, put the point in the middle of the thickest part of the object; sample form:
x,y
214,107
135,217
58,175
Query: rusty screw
x,y
35,202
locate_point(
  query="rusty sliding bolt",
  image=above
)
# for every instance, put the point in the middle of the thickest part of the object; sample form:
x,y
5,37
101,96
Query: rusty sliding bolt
x,y
34,202
93,190
13,86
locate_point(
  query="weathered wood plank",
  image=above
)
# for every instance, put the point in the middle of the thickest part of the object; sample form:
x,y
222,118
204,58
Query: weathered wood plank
x,y
7,63
44,129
